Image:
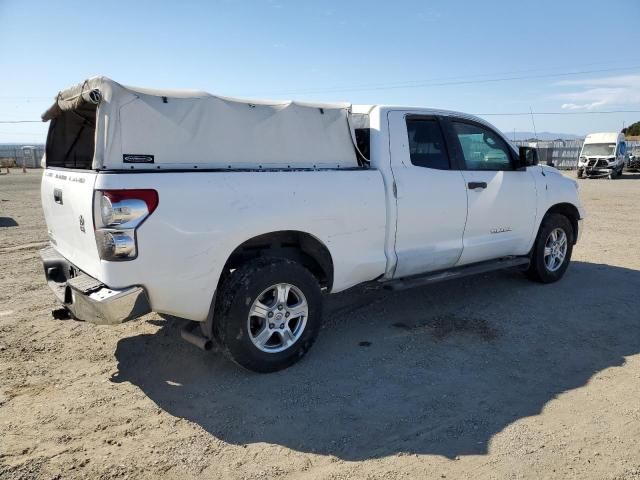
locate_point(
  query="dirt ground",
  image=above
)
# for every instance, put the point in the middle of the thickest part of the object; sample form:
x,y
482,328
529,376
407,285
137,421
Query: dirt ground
x,y
488,377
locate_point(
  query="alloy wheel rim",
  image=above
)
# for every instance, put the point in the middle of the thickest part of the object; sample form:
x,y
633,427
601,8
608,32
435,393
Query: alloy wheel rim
x,y
277,318
555,249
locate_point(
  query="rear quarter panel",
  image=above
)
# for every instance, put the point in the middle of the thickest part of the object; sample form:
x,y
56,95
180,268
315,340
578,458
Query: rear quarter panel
x,y
203,216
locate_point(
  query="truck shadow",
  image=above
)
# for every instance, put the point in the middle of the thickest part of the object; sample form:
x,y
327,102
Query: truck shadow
x,y
435,370
7,222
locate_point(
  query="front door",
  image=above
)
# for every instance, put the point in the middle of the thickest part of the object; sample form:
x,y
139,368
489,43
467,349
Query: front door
x,y
501,200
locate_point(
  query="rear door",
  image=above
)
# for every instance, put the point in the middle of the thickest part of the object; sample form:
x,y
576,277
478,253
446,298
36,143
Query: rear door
x,y
431,196
67,202
502,201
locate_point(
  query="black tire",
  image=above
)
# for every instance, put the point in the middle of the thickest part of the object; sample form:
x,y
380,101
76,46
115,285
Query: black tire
x,y
538,269
579,174
238,293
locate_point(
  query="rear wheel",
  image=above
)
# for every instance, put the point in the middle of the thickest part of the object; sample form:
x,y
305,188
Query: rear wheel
x,y
552,250
269,314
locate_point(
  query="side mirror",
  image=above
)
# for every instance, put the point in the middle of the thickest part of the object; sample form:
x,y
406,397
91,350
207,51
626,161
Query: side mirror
x,y
528,157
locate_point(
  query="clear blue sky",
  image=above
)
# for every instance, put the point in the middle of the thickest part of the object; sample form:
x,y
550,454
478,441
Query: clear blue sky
x,y
443,54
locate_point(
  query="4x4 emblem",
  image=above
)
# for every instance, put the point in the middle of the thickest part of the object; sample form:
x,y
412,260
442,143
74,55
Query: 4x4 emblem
x,y
82,224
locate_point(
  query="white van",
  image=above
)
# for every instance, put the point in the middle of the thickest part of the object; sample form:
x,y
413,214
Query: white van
x,y
602,155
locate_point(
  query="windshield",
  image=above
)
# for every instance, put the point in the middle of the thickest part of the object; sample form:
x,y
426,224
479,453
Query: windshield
x,y
598,149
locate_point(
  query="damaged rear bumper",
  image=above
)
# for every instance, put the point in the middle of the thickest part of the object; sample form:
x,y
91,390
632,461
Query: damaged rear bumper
x,y
89,299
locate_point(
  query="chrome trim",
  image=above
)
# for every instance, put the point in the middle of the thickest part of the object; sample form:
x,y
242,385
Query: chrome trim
x,y
107,306
115,244
89,299
127,213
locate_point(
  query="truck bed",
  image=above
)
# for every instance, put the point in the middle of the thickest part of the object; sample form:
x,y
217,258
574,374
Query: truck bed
x,y
202,217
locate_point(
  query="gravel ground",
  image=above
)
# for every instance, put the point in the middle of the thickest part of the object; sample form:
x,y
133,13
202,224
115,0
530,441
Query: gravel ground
x,y
488,377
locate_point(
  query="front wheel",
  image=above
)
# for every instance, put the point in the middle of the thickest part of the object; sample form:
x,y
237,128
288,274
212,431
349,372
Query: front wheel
x,y
552,251
269,314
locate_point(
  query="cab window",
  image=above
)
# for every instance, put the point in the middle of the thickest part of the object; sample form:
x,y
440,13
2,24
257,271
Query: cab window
x,y
426,144
482,149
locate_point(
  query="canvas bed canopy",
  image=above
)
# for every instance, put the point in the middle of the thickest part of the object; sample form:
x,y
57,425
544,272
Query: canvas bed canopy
x,y
100,124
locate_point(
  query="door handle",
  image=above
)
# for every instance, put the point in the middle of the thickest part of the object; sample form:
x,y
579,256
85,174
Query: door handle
x,y
57,195
474,185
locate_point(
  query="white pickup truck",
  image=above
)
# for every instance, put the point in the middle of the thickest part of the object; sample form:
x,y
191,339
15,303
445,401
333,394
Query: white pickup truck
x,y
239,214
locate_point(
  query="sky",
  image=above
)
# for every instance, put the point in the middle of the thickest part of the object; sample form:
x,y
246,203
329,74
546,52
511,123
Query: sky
x,y
574,57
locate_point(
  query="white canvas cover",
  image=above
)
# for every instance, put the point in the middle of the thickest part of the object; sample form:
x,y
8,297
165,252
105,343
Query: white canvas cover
x,y
149,129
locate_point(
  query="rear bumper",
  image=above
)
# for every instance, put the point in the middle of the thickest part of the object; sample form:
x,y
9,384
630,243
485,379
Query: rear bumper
x,y
87,298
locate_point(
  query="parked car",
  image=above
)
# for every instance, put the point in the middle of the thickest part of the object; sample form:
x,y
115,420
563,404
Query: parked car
x,y
239,215
633,162
602,155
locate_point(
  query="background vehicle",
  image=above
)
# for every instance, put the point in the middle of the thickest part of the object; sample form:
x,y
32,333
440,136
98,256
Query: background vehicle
x,y
633,160
602,155
155,210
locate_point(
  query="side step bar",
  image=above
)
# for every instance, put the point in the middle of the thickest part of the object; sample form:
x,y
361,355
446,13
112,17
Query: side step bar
x,y
457,272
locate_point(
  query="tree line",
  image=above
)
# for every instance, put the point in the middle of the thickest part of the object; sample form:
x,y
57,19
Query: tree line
x,y
632,130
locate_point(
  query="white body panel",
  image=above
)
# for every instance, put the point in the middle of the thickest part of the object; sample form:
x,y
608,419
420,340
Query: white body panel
x,y
202,217
501,217
554,188
75,199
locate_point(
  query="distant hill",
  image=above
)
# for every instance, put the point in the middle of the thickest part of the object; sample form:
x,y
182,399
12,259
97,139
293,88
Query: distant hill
x,y
541,136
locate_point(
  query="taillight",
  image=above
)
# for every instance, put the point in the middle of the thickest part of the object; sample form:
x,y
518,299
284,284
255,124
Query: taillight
x,y
117,215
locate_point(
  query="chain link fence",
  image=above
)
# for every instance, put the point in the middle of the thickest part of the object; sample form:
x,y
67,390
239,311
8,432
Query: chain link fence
x,y
16,155
563,154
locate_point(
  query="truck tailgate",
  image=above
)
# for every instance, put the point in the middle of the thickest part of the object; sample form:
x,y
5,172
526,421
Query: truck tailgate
x,y
67,201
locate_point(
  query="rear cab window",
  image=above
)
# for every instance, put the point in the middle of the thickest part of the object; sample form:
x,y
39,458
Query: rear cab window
x,y
71,138
427,146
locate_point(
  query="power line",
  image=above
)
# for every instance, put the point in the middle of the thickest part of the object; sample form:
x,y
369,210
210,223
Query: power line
x,y
24,97
439,83
21,121
559,113
435,82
